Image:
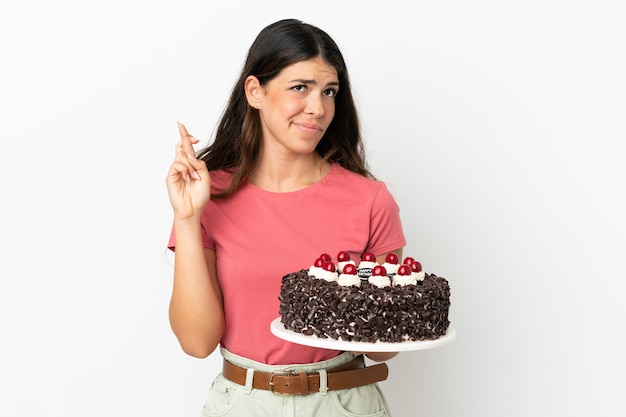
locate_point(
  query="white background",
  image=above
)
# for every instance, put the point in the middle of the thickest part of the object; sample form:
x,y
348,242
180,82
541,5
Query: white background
x,y
498,126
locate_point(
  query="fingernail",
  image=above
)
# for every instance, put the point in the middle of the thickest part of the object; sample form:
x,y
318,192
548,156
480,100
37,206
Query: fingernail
x,y
196,175
192,157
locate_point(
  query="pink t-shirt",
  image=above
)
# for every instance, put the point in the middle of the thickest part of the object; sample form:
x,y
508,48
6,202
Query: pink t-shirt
x,y
259,236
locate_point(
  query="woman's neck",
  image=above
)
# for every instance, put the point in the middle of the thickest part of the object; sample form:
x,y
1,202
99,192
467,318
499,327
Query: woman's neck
x,y
287,175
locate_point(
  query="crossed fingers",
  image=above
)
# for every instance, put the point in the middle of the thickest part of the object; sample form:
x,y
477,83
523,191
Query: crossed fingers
x,y
185,154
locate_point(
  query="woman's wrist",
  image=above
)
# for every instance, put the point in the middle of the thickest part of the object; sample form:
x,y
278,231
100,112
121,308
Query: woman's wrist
x,y
187,222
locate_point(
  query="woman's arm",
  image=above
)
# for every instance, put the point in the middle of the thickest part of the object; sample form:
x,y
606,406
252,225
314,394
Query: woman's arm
x,y
196,309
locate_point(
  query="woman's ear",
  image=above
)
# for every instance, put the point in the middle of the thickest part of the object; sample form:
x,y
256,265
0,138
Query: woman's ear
x,y
252,87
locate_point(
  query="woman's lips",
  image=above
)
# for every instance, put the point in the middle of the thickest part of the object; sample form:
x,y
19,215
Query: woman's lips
x,y
309,127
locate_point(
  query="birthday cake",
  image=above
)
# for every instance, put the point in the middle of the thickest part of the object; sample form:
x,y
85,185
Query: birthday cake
x,y
365,302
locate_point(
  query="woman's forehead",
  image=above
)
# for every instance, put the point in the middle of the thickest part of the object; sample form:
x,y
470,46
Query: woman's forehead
x,y
310,69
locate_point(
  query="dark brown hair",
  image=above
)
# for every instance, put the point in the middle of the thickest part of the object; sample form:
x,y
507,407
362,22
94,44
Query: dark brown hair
x,y
238,136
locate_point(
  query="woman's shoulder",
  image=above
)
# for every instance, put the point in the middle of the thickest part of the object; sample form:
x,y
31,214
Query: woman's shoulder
x,y
358,192
221,178
351,179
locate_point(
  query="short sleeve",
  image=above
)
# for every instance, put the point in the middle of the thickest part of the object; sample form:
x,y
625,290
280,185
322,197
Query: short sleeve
x,y
386,233
171,244
206,242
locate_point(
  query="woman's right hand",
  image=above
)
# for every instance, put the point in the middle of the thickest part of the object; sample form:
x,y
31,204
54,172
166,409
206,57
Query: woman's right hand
x,y
188,181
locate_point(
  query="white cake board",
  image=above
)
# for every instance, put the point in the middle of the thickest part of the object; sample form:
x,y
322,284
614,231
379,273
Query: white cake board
x,y
278,329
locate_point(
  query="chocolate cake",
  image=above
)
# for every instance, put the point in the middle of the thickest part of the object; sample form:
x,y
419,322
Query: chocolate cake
x,y
367,311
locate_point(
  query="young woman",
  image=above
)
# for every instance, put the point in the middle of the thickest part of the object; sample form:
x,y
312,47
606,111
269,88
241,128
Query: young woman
x,y
283,181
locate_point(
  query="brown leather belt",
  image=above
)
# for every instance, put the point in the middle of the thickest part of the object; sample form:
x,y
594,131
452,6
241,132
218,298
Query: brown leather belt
x,y
350,375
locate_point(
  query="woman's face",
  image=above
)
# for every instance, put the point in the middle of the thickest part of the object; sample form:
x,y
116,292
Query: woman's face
x,y
297,106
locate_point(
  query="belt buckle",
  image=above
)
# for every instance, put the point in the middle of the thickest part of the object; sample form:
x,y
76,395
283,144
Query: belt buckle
x,y
271,382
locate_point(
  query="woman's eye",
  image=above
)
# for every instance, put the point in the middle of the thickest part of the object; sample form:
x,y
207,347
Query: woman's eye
x,y
330,92
298,88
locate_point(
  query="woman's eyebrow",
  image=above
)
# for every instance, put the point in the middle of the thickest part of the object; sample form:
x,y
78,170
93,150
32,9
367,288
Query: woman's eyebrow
x,y
313,82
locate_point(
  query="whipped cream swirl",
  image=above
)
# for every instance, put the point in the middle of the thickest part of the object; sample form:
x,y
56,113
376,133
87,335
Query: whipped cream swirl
x,y
391,269
419,276
340,265
346,280
325,275
380,281
403,280
315,271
